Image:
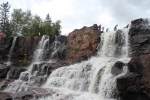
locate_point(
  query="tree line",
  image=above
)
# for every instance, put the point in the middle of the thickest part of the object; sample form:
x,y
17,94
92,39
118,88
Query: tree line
x,y
23,23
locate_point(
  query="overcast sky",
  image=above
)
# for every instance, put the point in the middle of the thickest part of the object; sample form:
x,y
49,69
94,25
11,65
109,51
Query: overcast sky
x,y
74,14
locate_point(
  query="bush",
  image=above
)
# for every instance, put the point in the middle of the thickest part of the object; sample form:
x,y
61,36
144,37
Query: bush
x,y
74,48
89,33
78,40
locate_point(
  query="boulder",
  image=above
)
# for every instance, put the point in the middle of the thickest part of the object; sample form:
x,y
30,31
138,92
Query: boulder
x,y
135,85
117,68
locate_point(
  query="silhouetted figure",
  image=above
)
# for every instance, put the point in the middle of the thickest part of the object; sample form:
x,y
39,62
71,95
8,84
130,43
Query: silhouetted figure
x,y
115,28
100,26
103,28
107,29
127,26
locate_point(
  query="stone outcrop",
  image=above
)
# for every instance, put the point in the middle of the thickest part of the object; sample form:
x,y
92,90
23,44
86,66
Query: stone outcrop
x,y
5,45
4,70
24,48
135,85
82,43
140,37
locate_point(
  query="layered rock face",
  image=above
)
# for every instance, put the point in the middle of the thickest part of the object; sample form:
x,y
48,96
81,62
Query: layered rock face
x,y
82,43
140,37
135,85
5,45
24,48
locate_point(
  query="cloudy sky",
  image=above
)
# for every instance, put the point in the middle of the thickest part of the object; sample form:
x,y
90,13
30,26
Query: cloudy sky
x,y
74,14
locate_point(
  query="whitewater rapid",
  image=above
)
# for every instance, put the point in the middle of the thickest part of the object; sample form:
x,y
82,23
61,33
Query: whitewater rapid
x,y
92,79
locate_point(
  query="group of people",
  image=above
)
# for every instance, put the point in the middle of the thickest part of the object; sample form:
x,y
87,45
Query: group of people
x,y
102,28
2,34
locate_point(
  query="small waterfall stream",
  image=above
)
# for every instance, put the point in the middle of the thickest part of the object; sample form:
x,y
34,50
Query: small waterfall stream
x,y
38,70
92,79
11,51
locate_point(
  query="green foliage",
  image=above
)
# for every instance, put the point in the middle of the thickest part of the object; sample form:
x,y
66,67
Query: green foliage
x,y
25,61
89,33
23,23
4,18
78,40
74,48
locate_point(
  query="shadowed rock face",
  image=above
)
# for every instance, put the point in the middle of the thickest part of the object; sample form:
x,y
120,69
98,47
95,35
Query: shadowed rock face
x,y
140,37
24,48
136,84
4,70
82,43
5,45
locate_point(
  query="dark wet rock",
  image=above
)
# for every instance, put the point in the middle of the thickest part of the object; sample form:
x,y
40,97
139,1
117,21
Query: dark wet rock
x,y
136,84
117,68
4,83
4,70
24,48
140,37
14,72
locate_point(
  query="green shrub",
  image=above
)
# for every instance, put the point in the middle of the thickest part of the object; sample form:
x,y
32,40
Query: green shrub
x,y
74,48
78,40
89,33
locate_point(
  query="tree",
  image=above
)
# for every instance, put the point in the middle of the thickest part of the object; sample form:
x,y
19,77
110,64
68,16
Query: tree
x,y
35,26
57,28
20,21
4,15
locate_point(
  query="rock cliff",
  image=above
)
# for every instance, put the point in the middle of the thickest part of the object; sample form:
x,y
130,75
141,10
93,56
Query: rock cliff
x,y
140,37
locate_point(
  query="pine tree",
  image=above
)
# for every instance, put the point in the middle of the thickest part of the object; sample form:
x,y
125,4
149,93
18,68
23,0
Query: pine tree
x,y
4,15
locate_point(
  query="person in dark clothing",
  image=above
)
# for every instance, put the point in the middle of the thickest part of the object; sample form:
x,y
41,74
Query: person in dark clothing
x,y
103,28
100,26
107,29
115,28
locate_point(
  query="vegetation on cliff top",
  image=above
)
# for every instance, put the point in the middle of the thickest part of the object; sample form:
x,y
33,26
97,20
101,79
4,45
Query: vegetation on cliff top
x,y
23,23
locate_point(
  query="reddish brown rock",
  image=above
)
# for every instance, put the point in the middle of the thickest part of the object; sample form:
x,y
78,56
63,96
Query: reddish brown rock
x,y
82,43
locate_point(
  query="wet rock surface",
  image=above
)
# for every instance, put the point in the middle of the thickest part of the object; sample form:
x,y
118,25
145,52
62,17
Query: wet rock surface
x,y
140,37
135,85
4,70
117,68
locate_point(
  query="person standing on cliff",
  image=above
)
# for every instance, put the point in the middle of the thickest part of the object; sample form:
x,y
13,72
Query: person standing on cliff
x,y
115,28
103,28
107,29
100,26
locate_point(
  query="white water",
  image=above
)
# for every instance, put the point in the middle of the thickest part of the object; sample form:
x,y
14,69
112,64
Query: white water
x,y
92,79
11,51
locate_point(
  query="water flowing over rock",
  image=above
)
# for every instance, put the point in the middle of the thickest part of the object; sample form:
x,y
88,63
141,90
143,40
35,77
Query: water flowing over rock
x,y
92,78
63,67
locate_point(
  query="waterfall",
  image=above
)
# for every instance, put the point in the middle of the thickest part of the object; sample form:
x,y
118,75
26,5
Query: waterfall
x,y
11,51
92,79
38,70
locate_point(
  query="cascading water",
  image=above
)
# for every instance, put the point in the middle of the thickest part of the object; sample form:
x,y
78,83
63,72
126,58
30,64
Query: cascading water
x,y
11,51
92,79
38,71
